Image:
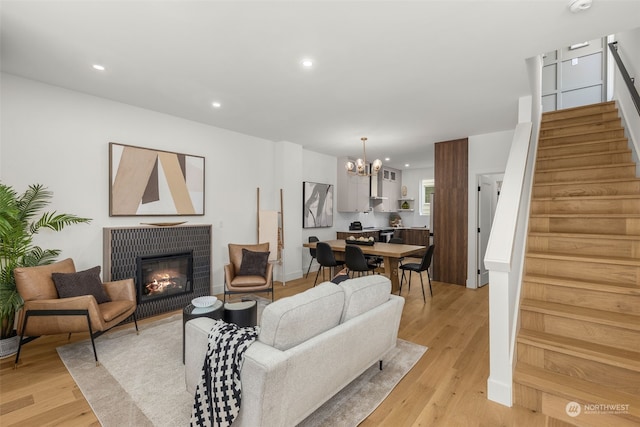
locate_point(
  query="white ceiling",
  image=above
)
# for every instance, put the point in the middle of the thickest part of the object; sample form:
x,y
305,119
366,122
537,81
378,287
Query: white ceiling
x,y
405,74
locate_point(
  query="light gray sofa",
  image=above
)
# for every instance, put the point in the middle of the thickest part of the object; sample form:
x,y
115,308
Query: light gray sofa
x,y
310,346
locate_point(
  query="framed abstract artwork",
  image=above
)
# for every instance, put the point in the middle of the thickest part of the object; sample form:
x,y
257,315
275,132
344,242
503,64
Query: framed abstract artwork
x,y
147,182
317,209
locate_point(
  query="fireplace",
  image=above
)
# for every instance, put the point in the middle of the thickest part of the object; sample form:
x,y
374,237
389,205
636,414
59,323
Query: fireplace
x,y
123,245
164,275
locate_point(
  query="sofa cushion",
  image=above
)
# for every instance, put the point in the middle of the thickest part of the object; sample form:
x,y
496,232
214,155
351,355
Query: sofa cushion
x,y
293,320
363,294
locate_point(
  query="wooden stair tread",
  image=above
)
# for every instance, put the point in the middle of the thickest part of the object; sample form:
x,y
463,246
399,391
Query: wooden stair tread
x,y
588,181
605,104
580,144
621,358
593,121
614,288
635,262
574,388
581,133
585,235
579,110
598,197
587,119
590,154
577,168
584,215
603,317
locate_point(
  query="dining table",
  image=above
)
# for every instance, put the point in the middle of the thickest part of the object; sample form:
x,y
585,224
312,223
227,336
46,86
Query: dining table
x,y
391,253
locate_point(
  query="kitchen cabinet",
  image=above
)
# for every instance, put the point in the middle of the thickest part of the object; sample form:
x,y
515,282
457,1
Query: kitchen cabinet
x,y
352,190
390,175
414,236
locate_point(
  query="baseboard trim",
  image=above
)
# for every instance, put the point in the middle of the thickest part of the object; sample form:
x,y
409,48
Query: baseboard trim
x,y
500,392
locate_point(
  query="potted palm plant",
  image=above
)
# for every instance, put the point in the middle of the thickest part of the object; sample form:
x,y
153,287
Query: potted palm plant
x,y
21,218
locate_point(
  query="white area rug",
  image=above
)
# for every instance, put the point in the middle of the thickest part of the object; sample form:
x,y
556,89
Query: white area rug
x,y
140,380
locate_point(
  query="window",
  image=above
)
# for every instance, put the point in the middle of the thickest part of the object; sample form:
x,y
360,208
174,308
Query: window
x,y
428,188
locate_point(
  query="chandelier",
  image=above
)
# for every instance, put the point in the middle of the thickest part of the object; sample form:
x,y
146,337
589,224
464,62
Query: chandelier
x,y
360,165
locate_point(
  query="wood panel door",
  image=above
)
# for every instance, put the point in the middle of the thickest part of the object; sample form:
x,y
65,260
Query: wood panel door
x,y
450,211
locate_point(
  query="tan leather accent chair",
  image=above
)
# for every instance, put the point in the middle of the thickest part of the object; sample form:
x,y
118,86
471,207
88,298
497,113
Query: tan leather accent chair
x,y
45,313
242,284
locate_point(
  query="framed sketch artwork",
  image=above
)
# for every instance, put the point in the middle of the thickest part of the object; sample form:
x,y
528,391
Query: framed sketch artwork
x,y
149,182
317,209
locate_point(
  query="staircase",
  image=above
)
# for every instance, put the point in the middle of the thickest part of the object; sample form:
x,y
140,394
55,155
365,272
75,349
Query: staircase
x,y
579,338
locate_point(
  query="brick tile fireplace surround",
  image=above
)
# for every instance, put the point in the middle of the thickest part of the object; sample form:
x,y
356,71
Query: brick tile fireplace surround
x,y
122,246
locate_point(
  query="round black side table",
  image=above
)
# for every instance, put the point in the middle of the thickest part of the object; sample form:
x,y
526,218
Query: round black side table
x,y
191,312
243,313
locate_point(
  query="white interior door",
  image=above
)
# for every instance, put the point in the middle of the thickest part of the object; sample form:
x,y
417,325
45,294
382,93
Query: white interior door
x,y
487,199
574,75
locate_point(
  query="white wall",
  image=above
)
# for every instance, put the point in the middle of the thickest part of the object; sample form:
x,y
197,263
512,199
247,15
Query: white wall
x,y
318,168
412,179
629,50
288,170
60,138
488,155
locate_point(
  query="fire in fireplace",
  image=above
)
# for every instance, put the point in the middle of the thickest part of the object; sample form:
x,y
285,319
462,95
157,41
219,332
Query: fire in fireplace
x,y
165,275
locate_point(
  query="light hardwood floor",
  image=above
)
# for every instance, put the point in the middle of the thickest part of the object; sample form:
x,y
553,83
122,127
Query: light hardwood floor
x,y
447,387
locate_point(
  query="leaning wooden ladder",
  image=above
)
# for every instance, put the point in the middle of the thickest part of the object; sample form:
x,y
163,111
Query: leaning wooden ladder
x,y
271,229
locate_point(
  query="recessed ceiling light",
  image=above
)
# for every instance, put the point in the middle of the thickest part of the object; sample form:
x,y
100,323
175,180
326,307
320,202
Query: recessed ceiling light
x,y
98,67
216,104
386,159
307,63
406,165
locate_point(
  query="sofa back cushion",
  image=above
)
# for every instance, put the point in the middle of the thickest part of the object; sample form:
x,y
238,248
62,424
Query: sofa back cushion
x,y
293,320
363,294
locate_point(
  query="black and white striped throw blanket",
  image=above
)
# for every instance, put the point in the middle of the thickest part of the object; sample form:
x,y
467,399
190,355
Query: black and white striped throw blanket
x,y
218,394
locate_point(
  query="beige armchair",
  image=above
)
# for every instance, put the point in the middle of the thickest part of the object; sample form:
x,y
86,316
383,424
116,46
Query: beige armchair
x,y
256,275
45,313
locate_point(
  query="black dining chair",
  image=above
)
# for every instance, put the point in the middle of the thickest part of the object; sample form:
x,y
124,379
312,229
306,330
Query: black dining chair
x,y
356,261
419,268
326,258
312,252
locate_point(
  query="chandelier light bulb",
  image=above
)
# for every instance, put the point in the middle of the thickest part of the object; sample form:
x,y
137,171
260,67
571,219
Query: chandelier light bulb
x,y
377,164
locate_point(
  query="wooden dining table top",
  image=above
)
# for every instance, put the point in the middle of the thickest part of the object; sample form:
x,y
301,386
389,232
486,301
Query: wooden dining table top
x,y
391,250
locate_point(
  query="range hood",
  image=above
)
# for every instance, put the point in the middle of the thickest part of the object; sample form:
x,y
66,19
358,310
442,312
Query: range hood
x,y
376,188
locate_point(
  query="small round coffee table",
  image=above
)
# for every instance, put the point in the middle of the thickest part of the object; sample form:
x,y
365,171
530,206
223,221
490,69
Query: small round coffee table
x,y
191,312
